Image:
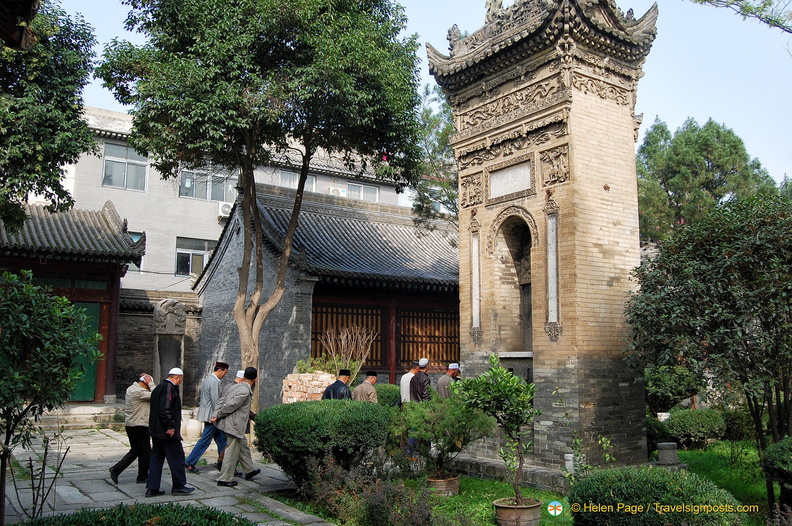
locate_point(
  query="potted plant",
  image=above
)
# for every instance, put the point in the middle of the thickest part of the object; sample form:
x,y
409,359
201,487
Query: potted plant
x,y
442,427
509,400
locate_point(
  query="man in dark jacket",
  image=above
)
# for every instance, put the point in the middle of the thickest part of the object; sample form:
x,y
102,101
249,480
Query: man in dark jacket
x,y
419,384
339,390
165,430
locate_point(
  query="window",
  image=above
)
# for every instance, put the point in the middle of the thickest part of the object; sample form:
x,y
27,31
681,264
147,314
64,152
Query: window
x,y
192,255
135,237
124,167
202,185
363,192
290,180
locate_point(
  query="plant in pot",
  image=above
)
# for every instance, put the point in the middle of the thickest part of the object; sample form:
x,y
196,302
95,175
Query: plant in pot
x,y
442,427
509,400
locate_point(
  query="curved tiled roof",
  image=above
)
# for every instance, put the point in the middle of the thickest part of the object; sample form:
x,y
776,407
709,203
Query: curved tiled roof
x,y
369,243
84,235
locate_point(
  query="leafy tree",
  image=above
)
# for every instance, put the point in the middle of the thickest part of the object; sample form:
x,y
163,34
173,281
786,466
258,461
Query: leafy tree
x,y
666,386
42,339
436,192
41,128
715,299
683,176
774,13
236,84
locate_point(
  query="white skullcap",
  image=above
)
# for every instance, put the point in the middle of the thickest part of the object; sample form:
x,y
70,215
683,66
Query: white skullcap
x,y
423,362
176,371
240,373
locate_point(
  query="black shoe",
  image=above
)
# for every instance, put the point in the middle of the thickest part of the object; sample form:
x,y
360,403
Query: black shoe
x,y
192,469
141,481
218,465
154,492
252,474
113,476
182,491
227,484
238,473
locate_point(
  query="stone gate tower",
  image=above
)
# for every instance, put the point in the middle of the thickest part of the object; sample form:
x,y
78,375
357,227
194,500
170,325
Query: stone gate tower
x,y
543,98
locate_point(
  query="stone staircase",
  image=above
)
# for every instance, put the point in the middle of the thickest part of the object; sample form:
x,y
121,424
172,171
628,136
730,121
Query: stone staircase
x,y
84,416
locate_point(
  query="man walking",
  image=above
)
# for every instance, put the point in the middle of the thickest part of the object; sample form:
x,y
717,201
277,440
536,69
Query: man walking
x,y
419,384
404,383
365,391
231,417
210,394
339,390
450,376
136,422
165,431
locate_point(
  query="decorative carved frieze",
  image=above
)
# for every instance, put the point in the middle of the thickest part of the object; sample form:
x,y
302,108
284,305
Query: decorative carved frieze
x,y
169,317
555,165
474,226
520,114
509,103
637,120
476,335
503,215
471,191
601,88
551,207
511,143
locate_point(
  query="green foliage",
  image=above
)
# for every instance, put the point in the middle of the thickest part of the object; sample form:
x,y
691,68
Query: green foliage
x,y
683,176
651,487
656,432
160,514
667,386
436,193
695,427
442,427
41,126
297,435
777,461
326,364
508,399
774,13
388,395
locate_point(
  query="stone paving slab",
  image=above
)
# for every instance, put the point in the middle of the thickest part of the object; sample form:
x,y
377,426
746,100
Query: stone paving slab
x,y
85,483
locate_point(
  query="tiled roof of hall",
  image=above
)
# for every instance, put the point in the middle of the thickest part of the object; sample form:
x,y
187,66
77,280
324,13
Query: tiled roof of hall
x,y
353,243
76,235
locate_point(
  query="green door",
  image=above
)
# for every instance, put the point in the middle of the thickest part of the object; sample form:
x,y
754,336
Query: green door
x,y
86,387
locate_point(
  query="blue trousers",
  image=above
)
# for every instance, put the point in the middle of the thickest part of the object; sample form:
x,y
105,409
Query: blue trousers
x,y
170,449
209,432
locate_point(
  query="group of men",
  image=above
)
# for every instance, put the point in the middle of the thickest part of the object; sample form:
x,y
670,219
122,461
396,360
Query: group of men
x,y
154,413
339,390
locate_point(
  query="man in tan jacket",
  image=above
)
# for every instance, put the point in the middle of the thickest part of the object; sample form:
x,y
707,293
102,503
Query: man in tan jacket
x,y
366,391
136,422
231,416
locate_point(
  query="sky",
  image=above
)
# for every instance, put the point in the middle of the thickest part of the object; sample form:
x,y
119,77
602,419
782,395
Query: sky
x,y
705,63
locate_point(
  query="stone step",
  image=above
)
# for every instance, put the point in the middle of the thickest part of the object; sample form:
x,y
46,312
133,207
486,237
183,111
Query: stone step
x,y
83,416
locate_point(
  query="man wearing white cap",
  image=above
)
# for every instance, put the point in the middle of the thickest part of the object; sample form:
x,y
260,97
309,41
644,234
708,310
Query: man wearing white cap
x,y
419,385
444,381
165,431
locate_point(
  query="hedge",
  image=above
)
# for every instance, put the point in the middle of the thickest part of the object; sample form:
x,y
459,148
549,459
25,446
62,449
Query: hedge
x,y
777,461
650,496
305,434
140,514
693,427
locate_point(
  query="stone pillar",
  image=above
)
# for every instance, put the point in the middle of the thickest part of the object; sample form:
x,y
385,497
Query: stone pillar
x,y
543,99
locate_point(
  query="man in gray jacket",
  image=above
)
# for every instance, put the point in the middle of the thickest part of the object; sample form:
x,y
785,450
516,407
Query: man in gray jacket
x,y
231,416
210,395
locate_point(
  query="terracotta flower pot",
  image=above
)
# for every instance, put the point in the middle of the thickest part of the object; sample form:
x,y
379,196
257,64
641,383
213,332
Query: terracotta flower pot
x,y
507,513
447,487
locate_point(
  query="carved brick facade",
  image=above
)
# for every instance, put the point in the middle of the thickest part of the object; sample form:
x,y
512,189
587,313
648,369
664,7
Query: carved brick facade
x,y
543,98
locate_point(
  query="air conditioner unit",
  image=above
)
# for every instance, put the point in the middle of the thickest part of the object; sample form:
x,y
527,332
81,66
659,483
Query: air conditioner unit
x,y
334,190
224,210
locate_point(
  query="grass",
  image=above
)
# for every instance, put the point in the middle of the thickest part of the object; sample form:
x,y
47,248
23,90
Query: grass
x,y
735,470
473,502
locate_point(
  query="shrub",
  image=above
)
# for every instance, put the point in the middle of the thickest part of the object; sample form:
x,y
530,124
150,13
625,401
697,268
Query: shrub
x,y
137,514
666,386
388,395
777,461
656,432
297,435
694,427
739,425
620,493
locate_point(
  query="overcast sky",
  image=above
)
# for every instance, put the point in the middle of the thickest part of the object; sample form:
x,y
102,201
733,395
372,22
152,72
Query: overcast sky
x,y
705,63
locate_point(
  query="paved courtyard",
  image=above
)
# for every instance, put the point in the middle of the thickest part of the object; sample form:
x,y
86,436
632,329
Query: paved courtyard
x,y
86,483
